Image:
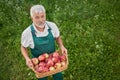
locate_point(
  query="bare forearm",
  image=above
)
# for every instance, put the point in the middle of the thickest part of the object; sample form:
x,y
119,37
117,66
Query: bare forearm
x,y
24,52
59,41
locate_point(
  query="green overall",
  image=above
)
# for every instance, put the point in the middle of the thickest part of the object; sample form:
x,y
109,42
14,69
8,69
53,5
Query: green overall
x,y
44,45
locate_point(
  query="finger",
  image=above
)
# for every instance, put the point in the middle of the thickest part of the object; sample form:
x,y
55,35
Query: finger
x,y
29,64
66,51
61,51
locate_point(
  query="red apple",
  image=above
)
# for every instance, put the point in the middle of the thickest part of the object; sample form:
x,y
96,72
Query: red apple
x,y
41,57
49,58
47,66
50,55
56,54
46,69
50,62
42,63
51,68
46,55
40,69
35,61
62,58
36,67
58,65
55,59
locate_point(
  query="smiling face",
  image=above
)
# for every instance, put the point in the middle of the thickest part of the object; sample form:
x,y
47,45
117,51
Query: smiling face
x,y
39,19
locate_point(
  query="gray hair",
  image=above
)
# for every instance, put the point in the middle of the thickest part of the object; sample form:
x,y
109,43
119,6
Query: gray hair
x,y
37,9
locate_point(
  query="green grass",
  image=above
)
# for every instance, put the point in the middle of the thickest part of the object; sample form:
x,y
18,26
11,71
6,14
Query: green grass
x,y
89,28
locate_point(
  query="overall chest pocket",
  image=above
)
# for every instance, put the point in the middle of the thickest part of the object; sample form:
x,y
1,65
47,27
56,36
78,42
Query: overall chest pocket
x,y
42,40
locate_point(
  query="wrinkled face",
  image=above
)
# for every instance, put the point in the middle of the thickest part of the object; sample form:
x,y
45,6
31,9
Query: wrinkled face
x,y
39,19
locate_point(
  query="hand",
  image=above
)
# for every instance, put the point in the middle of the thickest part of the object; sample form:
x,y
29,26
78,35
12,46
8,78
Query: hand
x,y
29,63
63,50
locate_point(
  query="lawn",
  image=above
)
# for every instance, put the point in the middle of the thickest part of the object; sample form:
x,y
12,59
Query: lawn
x,y
90,30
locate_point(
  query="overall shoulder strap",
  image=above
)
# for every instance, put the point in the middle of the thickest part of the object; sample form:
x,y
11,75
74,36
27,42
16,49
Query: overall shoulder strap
x,y
32,30
48,26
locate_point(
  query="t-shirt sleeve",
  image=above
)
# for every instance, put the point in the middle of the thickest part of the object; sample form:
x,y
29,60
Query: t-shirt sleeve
x,y
56,31
25,39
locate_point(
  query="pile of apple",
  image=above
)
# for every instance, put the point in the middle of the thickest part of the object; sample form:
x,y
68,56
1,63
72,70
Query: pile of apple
x,y
49,62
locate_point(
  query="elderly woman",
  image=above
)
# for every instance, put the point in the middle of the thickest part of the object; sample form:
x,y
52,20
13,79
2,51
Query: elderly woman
x,y
40,36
